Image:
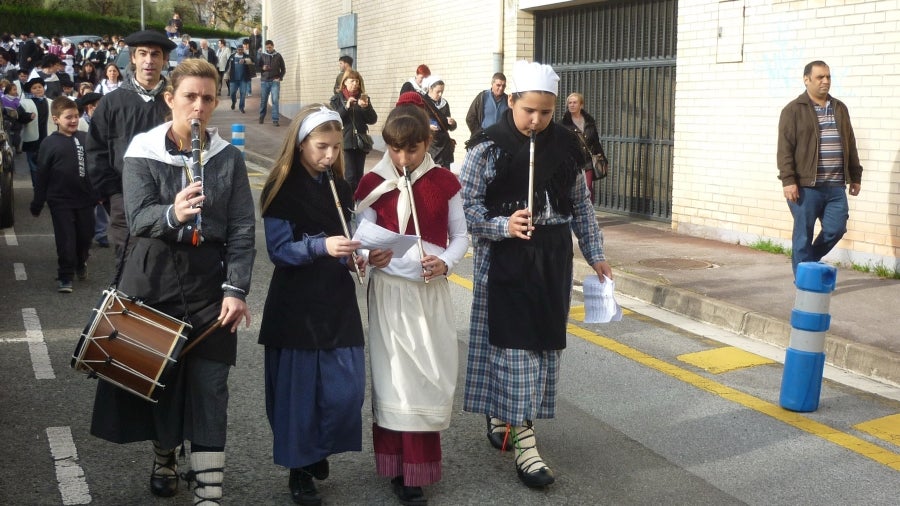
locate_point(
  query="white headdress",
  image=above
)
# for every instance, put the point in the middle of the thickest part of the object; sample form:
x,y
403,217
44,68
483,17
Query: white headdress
x,y
429,81
533,77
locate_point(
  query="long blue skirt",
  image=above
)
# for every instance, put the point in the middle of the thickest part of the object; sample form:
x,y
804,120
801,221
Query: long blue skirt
x,y
314,402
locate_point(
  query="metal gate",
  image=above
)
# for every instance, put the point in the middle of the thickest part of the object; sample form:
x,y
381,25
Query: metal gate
x,y
621,56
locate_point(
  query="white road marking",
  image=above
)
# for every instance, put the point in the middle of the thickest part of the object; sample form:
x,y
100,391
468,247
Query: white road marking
x,y
19,270
11,239
72,485
34,336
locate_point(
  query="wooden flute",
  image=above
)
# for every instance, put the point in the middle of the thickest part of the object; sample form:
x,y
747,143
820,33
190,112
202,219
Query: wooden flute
x,y
340,211
415,217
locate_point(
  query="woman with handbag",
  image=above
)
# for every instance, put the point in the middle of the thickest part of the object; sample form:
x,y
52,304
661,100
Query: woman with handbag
x,y
357,114
442,145
579,121
192,258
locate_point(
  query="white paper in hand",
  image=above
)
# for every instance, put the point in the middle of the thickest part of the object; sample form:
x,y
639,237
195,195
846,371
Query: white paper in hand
x,y
600,304
373,236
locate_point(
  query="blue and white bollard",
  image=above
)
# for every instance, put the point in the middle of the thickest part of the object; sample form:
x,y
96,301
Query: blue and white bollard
x,y
237,136
805,358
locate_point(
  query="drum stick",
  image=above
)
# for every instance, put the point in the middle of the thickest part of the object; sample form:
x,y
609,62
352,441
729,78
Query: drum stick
x,y
415,217
530,182
204,335
340,210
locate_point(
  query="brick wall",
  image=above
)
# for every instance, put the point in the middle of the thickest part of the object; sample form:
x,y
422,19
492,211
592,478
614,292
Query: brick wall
x,y
458,41
726,118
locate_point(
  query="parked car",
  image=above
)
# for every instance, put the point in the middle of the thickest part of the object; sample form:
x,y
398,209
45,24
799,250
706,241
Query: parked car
x,y
7,167
76,40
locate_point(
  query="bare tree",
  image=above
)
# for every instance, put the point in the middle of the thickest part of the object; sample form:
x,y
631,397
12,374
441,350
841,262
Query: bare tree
x,y
228,13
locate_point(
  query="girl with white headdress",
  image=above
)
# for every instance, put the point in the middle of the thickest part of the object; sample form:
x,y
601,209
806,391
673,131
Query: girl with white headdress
x,y
311,328
412,333
523,263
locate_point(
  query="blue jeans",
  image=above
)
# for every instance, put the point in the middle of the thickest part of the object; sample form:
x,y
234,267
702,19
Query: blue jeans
x,y
828,204
265,88
235,87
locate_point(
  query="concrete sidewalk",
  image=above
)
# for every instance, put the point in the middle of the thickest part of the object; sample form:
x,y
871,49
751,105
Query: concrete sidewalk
x,y
742,290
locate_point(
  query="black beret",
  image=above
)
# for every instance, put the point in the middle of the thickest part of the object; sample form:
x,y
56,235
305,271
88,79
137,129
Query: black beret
x,y
88,98
150,38
34,80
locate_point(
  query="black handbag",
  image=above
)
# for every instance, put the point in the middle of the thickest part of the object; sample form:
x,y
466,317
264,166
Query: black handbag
x,y
597,164
364,141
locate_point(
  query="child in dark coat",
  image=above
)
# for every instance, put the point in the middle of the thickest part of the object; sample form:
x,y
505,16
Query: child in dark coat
x,y
61,181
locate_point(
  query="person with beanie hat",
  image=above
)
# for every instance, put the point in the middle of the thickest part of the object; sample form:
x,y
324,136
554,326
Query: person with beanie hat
x,y
136,106
515,348
412,336
415,82
38,122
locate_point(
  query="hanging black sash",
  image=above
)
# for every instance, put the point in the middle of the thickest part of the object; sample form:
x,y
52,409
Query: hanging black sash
x,y
529,283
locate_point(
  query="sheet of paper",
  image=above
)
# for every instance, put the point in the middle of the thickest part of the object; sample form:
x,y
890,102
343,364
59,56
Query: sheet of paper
x,y
373,236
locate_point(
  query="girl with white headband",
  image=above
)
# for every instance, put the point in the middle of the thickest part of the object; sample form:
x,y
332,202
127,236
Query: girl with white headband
x,y
523,263
311,328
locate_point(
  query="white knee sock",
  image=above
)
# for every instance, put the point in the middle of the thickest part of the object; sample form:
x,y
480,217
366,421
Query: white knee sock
x,y
208,471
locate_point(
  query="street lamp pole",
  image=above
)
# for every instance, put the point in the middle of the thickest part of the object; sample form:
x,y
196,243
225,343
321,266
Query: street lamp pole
x,y
142,14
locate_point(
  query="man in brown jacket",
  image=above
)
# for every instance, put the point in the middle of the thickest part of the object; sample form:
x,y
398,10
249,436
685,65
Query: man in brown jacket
x,y
817,159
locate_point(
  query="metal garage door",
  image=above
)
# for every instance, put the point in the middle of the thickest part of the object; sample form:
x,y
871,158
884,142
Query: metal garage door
x,y
621,56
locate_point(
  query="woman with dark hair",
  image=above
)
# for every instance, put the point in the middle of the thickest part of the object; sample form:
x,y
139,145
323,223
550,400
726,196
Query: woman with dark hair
x,y
111,81
357,113
311,329
584,126
87,74
412,333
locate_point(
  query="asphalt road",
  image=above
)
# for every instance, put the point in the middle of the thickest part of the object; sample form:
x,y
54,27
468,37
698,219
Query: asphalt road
x,y
643,415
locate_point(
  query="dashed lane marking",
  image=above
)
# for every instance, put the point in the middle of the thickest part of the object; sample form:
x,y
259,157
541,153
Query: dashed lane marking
x,y
10,235
19,270
34,336
72,486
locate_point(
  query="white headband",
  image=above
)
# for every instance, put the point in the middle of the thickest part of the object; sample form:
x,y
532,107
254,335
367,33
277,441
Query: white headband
x,y
323,115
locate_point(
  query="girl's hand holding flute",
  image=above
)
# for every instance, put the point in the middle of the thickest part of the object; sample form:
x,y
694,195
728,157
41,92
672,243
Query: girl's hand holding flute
x,y
519,224
339,246
433,267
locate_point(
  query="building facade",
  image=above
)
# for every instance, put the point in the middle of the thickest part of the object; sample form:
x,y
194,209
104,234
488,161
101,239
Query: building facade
x,y
687,92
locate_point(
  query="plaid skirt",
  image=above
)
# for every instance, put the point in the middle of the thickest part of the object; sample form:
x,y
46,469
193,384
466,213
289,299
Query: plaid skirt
x,y
511,384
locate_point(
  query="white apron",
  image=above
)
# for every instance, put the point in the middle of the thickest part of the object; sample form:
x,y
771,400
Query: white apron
x,y
413,367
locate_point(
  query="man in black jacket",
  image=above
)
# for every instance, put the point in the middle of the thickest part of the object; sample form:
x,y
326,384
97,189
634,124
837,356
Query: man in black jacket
x,y
271,66
135,107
